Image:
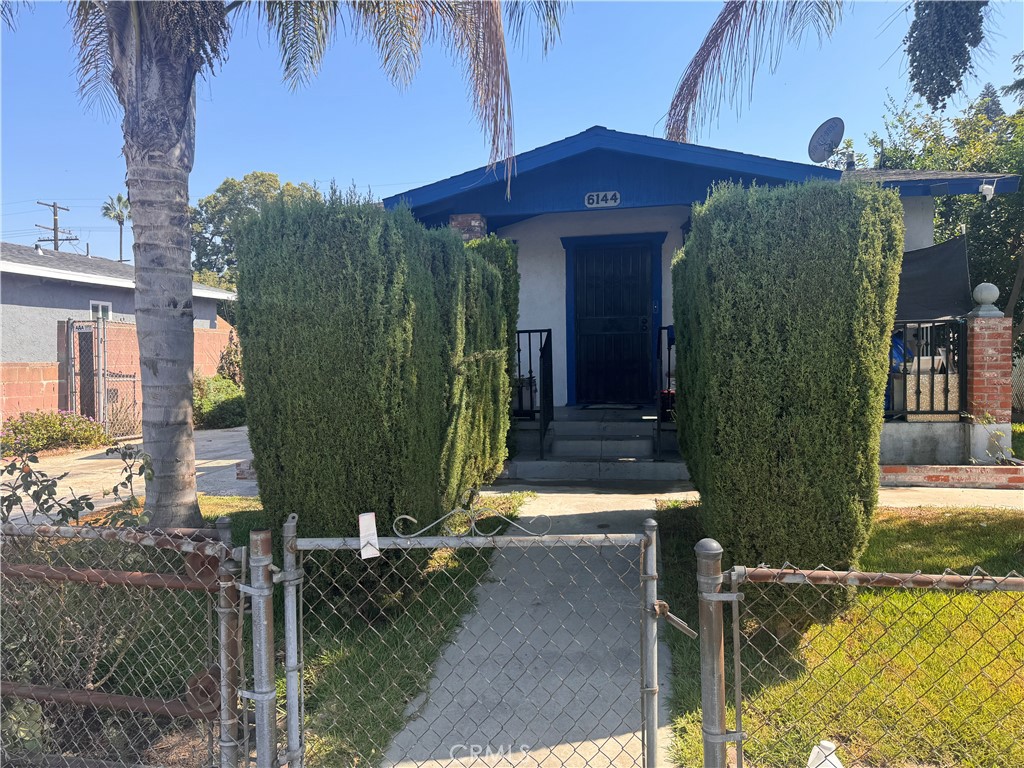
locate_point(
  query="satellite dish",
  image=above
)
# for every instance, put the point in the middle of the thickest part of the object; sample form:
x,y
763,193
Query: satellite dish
x,y
826,139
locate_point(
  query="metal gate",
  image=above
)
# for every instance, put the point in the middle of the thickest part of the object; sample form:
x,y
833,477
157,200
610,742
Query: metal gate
x,y
103,380
421,650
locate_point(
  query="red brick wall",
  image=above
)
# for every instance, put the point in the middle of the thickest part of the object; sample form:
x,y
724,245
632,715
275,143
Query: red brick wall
x,y
210,342
40,386
958,476
28,387
989,368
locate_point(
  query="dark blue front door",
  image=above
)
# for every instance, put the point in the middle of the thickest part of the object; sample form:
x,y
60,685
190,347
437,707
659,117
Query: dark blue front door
x,y
613,323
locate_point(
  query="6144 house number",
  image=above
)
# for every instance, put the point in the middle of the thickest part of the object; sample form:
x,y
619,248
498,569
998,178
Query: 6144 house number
x,y
601,199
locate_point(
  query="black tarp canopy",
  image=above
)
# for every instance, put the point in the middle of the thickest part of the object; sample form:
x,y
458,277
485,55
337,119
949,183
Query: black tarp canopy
x,y
935,283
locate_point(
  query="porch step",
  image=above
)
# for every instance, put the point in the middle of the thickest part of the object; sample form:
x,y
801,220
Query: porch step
x,y
603,447
589,469
637,428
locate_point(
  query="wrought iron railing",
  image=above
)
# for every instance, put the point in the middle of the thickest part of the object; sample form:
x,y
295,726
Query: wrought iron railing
x,y
666,394
927,370
532,392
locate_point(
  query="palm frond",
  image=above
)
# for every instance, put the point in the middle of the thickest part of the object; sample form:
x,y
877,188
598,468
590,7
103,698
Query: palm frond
x,y
304,31
9,13
473,32
745,35
397,29
546,13
91,35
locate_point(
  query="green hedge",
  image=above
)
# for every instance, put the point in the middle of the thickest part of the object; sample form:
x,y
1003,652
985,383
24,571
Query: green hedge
x,y
373,362
784,304
217,403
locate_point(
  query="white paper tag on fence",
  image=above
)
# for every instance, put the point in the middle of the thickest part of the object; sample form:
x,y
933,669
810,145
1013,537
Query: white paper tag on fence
x,y
368,546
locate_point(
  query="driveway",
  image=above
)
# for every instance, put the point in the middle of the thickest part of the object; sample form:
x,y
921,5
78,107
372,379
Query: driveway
x,y
217,451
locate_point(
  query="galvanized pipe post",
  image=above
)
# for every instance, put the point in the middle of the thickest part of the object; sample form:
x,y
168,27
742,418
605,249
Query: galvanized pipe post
x,y
230,649
264,693
292,645
650,644
712,653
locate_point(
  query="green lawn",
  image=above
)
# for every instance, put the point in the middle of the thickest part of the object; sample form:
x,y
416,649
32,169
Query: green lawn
x,y
900,678
372,631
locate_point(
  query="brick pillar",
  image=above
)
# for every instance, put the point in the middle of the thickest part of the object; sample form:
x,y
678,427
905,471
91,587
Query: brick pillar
x,y
472,225
989,371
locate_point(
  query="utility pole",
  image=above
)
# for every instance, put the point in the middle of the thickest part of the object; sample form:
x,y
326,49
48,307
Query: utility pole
x,y
59,235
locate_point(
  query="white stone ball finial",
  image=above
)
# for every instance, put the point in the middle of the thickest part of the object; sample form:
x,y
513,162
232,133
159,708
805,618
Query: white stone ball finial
x,y
985,295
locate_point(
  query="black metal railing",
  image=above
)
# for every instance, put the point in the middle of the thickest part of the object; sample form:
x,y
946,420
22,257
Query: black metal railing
x,y
532,392
666,394
927,369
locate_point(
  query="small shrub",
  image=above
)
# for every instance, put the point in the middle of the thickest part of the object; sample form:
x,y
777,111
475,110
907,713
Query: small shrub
x,y
35,431
217,403
230,365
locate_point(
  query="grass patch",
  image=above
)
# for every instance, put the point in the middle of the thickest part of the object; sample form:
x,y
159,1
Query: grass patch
x,y
373,630
901,678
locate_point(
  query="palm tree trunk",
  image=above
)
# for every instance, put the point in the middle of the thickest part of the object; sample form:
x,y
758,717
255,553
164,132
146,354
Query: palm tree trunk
x,y
120,244
159,132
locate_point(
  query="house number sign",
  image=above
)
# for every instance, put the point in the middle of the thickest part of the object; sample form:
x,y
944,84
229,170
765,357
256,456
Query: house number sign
x,y
601,199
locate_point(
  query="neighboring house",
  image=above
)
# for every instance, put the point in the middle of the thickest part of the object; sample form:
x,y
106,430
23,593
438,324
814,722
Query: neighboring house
x,y
45,293
597,217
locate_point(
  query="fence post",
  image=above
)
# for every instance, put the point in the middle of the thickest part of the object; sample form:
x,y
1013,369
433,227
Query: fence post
x,y
650,644
264,689
712,653
292,645
228,636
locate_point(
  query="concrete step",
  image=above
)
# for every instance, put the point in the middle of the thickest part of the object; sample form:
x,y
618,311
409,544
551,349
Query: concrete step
x,y
607,447
584,469
636,428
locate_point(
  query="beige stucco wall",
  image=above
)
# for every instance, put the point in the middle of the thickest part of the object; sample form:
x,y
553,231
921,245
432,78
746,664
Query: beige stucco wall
x,y
919,221
542,266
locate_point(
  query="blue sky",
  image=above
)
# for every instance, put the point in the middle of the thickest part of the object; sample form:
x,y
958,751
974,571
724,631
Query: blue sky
x,y
616,65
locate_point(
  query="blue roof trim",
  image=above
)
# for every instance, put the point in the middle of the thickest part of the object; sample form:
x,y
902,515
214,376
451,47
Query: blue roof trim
x,y
600,138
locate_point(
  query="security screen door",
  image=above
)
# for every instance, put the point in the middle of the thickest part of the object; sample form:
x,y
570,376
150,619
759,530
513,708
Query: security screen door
x,y
613,323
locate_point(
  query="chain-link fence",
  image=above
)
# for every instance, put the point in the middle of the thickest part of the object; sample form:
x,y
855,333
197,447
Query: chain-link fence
x,y
447,651
121,647
1017,385
889,669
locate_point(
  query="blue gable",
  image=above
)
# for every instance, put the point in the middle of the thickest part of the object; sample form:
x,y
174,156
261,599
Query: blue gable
x,y
645,171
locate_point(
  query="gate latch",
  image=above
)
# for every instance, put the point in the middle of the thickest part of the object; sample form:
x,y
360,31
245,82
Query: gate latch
x,y
661,611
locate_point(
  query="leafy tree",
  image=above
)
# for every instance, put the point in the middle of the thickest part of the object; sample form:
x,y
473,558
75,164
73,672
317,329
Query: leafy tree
x,y
749,34
147,55
842,153
118,209
1016,88
939,44
971,141
213,245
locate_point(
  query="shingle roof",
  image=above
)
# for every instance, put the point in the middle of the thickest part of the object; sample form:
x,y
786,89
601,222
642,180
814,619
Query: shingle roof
x,y
59,265
911,182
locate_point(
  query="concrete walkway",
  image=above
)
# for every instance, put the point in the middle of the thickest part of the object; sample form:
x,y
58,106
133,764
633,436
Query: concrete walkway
x,y
546,670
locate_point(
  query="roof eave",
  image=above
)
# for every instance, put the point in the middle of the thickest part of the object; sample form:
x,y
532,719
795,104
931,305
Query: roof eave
x,y
32,270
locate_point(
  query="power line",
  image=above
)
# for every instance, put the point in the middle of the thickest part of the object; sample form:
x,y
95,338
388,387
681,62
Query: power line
x,y
59,235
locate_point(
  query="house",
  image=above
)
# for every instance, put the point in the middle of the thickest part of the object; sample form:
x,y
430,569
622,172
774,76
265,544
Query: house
x,y
597,217
68,336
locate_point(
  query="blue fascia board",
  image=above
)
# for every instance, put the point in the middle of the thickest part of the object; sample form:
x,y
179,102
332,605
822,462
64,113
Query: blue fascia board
x,y
599,138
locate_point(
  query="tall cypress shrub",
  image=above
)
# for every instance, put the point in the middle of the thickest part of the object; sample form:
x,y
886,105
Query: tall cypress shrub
x,y
784,305
359,351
